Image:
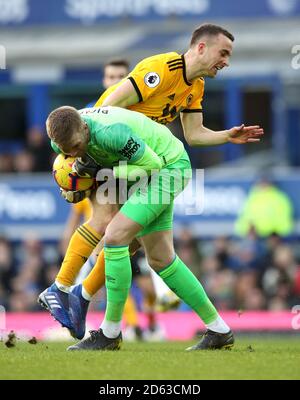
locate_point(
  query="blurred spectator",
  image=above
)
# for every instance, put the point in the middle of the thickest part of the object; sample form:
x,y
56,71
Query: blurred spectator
x,y
272,242
6,162
188,251
39,147
18,302
209,270
226,252
23,161
280,279
250,252
222,249
35,156
254,299
219,283
25,287
246,283
31,248
48,275
32,272
267,210
6,269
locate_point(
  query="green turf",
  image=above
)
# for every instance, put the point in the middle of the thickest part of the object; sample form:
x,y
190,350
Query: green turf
x,y
267,358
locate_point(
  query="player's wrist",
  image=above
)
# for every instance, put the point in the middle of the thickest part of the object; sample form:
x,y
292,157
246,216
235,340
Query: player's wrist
x,y
228,136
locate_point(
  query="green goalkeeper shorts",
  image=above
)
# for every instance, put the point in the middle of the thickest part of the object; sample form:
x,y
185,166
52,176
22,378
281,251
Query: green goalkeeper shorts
x,y
152,205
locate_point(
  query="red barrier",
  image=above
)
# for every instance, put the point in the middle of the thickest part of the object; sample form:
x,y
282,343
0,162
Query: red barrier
x,y
177,325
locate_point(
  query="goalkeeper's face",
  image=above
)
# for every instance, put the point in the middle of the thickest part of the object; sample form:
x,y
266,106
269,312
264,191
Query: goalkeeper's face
x,y
78,145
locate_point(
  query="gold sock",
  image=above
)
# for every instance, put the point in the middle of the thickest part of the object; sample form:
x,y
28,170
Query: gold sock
x,y
81,245
130,312
96,278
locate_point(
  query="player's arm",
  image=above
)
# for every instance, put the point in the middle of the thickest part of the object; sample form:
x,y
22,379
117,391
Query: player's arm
x,y
120,140
149,161
123,96
198,135
137,88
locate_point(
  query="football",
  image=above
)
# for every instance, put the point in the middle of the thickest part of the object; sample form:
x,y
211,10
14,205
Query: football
x,y
66,178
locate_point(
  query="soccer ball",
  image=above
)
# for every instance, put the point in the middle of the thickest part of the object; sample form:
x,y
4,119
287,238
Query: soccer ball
x,y
66,178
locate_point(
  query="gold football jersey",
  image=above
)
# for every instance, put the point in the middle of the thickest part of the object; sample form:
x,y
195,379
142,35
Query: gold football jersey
x,y
163,89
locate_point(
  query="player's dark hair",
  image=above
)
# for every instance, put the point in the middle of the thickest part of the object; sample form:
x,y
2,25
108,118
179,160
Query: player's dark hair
x,y
209,30
121,62
62,123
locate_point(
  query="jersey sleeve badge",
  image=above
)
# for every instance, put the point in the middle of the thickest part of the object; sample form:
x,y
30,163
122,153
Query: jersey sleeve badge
x,y
189,100
152,79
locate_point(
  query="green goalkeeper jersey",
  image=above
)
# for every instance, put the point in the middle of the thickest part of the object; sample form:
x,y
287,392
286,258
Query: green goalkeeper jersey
x,y
118,134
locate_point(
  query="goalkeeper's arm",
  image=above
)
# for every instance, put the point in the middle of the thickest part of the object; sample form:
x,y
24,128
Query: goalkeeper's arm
x,y
148,161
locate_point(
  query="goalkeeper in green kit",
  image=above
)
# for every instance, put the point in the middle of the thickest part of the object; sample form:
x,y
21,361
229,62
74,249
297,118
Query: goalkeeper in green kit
x,y
132,145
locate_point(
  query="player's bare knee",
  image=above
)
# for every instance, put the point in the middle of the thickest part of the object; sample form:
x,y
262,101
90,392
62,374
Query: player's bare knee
x,y
116,237
106,219
97,225
100,222
159,262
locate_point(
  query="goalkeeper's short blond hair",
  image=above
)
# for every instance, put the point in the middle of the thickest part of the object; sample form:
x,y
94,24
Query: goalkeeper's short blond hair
x,y
62,123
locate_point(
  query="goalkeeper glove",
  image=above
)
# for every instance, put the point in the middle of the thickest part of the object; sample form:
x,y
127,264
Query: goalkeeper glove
x,y
86,167
75,196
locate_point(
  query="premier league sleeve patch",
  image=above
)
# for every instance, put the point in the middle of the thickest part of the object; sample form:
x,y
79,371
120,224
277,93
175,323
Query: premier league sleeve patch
x,y
152,79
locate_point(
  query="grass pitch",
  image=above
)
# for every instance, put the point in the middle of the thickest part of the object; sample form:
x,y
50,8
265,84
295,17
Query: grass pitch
x,y
251,358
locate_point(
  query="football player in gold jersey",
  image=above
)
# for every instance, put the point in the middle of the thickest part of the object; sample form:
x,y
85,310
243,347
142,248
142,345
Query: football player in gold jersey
x,y
157,87
161,87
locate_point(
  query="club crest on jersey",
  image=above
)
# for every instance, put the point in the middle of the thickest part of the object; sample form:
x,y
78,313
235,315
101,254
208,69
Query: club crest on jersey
x,y
152,79
189,99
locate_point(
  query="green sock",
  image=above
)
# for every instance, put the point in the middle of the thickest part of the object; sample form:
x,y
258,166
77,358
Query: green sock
x,y
117,280
184,283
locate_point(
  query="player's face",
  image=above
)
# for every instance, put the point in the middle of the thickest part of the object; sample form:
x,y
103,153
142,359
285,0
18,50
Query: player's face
x,y
216,55
77,147
113,74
